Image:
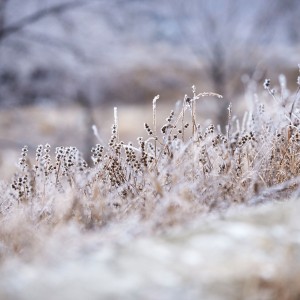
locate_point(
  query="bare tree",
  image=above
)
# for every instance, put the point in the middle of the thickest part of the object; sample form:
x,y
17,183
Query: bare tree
x,y
225,36
17,28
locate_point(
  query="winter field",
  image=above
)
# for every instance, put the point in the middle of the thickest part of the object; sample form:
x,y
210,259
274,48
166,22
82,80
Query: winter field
x,y
108,191
186,211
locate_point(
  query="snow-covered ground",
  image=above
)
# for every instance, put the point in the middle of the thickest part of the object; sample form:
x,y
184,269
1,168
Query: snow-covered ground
x,y
248,253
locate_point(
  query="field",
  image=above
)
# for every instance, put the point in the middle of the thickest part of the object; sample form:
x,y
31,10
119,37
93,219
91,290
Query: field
x,y
187,210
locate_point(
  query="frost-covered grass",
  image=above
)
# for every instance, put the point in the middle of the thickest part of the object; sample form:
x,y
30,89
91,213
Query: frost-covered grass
x,y
177,173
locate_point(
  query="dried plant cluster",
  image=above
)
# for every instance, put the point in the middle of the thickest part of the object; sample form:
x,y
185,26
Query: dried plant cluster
x,y
175,172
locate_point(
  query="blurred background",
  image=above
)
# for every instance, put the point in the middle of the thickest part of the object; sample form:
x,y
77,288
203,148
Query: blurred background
x,y
65,64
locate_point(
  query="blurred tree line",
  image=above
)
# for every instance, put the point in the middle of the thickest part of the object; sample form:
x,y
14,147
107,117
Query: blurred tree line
x,y
93,51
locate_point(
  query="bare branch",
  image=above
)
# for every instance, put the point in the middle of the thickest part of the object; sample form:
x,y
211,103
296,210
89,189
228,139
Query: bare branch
x,y
40,14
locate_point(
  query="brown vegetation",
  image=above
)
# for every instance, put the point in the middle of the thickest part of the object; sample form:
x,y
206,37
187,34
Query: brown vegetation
x,y
178,172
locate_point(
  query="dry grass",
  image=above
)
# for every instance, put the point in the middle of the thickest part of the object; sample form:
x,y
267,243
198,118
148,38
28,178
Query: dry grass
x,y
176,173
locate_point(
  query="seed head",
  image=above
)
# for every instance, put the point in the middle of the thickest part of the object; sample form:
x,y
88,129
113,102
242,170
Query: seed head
x,y
267,83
